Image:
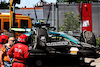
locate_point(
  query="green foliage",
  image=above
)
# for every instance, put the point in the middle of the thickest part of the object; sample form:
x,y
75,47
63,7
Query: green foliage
x,y
98,41
57,0
61,28
65,0
70,22
4,5
82,0
17,8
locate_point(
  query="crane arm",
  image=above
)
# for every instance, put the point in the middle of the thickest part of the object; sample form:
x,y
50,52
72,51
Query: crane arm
x,y
11,9
11,2
11,13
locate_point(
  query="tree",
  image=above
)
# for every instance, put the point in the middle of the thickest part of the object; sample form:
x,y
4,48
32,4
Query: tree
x,y
4,5
70,22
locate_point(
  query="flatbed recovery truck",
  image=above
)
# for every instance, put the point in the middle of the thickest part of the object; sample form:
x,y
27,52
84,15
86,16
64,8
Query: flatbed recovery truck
x,y
48,47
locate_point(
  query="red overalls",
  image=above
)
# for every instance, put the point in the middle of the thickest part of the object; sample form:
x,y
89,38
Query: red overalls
x,y
20,55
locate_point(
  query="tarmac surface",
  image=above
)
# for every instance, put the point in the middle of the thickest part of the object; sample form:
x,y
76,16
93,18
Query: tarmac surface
x,y
96,63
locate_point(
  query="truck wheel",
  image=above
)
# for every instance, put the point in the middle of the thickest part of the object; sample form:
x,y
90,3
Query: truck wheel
x,y
81,61
88,37
39,63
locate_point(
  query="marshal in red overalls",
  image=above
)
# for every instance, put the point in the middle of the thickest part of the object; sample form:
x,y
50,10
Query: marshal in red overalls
x,y
19,52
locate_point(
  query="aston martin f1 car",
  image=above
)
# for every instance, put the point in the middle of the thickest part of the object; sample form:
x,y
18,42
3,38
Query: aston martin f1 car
x,y
59,42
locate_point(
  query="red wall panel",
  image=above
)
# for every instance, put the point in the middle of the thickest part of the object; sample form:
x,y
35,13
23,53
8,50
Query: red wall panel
x,y
86,16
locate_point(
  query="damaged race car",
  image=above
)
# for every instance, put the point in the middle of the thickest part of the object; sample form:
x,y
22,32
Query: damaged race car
x,y
58,46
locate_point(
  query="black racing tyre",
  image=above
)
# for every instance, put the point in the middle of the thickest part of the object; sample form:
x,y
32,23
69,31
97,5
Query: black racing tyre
x,y
43,32
88,37
42,40
42,37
